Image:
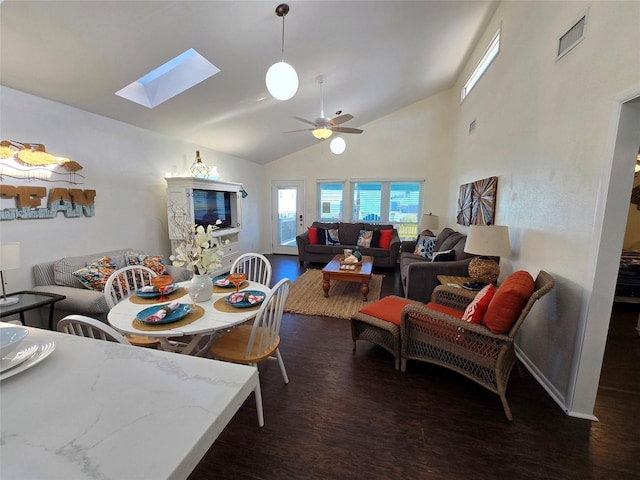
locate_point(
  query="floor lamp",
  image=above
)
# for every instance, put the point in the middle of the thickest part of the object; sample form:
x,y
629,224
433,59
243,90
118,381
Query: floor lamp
x,y
9,260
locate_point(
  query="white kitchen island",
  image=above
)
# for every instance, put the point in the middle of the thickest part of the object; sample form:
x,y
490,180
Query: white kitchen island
x,y
100,410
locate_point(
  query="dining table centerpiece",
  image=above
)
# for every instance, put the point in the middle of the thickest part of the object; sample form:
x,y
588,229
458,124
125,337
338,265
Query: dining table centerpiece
x,y
199,252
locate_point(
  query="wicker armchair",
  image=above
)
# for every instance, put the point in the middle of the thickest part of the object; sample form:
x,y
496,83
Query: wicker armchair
x,y
469,349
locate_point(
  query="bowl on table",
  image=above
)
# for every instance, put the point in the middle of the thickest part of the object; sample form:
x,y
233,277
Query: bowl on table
x,y
10,338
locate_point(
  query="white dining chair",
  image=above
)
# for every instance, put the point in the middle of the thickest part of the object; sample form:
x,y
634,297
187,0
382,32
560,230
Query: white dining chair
x,y
256,266
121,284
250,344
84,326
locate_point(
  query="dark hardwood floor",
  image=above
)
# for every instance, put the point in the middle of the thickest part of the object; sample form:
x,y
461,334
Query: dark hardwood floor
x,y
353,416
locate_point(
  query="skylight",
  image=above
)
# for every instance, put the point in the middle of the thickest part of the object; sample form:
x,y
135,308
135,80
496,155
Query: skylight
x,y
168,80
483,64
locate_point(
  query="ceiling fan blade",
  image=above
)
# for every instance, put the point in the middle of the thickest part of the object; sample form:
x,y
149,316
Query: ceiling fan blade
x,y
346,130
305,121
303,130
341,119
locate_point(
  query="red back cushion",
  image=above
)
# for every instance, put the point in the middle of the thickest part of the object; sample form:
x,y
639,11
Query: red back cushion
x,y
508,301
313,235
475,311
385,238
387,308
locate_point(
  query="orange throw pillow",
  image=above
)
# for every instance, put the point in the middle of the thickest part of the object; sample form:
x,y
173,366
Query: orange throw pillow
x,y
508,301
385,238
387,308
313,235
475,311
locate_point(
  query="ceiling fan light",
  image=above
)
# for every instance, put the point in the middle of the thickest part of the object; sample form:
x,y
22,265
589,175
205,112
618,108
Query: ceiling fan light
x,y
282,81
338,145
322,133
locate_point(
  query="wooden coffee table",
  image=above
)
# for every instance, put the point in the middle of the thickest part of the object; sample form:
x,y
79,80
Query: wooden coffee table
x,y
360,274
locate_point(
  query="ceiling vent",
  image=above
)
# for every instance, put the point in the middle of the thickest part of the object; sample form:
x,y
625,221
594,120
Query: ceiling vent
x,y
572,38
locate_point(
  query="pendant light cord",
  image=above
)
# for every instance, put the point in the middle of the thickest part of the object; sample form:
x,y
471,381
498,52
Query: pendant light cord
x,y
283,37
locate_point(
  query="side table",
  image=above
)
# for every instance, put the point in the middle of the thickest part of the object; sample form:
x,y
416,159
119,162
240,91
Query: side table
x,y
29,301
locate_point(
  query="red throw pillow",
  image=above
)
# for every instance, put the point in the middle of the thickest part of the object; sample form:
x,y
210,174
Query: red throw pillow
x,y
388,309
313,235
508,301
385,238
475,311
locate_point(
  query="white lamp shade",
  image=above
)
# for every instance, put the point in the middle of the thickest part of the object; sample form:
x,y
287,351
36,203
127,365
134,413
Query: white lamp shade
x,y
338,145
428,222
282,81
9,256
488,240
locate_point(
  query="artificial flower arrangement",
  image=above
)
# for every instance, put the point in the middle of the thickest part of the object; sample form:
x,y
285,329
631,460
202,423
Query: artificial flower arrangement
x,y
199,252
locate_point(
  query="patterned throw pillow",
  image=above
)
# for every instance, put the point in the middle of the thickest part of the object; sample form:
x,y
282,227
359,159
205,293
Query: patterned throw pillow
x,y
333,238
154,262
475,311
95,275
424,246
364,238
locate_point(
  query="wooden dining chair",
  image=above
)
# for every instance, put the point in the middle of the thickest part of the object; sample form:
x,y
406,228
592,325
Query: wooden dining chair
x,y
250,344
256,266
84,326
121,284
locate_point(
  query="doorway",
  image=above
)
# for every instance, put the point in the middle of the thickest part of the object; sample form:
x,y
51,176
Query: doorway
x,y
287,203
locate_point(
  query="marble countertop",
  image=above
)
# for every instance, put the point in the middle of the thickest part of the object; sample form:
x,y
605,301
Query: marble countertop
x,y
101,410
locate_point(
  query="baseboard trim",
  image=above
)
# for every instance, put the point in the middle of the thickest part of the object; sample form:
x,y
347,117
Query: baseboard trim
x,y
550,388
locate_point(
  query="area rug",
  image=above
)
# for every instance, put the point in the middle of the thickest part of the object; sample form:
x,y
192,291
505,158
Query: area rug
x,y
307,297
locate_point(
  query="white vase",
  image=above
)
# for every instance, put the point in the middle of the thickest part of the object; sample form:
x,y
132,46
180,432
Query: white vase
x,y
207,291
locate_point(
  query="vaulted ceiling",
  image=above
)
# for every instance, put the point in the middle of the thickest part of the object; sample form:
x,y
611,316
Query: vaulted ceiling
x,y
378,56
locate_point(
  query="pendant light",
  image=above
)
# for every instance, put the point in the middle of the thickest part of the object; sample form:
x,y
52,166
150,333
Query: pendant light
x,y
338,145
282,79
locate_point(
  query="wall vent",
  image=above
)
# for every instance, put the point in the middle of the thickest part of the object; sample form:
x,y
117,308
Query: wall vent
x,y
572,38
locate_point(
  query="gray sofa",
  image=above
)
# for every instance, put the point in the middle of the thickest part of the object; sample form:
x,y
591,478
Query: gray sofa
x,y
57,277
348,233
419,275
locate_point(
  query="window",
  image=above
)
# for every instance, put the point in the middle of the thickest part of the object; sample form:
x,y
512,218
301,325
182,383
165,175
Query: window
x,y
483,64
395,202
366,202
330,202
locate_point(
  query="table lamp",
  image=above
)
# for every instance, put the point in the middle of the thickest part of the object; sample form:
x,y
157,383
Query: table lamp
x,y
486,241
428,222
9,260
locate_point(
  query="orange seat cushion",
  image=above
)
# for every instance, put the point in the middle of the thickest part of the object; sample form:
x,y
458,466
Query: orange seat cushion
x,y
387,308
508,301
452,312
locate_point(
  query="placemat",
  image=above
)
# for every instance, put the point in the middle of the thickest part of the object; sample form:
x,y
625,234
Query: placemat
x,y
222,306
150,301
217,289
191,317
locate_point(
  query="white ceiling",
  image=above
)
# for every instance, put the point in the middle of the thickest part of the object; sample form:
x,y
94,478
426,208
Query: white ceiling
x,y
378,56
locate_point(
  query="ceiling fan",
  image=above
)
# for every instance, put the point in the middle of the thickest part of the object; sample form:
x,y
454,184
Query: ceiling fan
x,y
324,127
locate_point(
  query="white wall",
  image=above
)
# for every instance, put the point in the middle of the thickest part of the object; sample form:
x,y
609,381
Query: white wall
x,y
126,166
544,127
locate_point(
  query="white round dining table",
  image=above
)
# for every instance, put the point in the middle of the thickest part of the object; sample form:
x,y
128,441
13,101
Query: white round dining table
x,y
121,318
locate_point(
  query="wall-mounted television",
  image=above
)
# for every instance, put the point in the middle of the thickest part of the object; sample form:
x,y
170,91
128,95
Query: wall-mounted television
x,y
210,206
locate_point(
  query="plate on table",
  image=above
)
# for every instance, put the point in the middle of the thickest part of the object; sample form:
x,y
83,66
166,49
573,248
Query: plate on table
x,y
220,282
172,287
10,338
247,303
178,314
25,358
